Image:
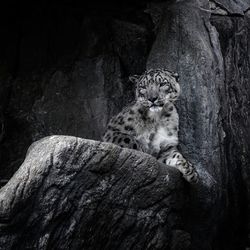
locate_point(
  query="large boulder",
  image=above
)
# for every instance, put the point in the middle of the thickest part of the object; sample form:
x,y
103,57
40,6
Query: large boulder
x,y
72,193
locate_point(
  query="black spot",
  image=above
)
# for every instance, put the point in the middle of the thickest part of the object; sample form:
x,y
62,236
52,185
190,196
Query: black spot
x,y
151,136
109,127
134,146
108,138
120,139
112,128
131,112
121,122
170,134
127,140
130,119
174,155
114,139
175,128
171,108
140,111
167,114
129,128
107,135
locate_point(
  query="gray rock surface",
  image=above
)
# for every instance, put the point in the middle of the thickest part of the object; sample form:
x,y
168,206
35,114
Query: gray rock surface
x,y
72,193
238,7
197,58
234,35
209,53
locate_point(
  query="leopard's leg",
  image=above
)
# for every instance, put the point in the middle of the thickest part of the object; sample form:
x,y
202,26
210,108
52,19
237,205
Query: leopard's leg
x,y
174,158
123,140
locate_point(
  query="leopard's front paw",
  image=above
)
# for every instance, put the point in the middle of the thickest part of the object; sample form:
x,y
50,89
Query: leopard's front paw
x,y
188,171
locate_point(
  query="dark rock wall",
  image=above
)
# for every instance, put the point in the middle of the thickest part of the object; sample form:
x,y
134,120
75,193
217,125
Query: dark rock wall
x,y
234,34
64,70
210,52
188,44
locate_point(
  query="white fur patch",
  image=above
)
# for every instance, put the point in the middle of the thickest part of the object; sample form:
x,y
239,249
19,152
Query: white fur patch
x,y
155,109
162,138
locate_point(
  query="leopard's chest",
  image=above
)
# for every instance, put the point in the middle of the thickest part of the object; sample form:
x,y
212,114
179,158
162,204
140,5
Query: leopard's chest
x,y
160,134
145,134
163,138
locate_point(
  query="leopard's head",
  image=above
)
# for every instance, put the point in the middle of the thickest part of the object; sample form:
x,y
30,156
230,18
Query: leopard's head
x,y
156,87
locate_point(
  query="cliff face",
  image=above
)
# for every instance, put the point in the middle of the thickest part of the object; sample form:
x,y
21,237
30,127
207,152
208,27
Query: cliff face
x,y
64,70
209,50
234,35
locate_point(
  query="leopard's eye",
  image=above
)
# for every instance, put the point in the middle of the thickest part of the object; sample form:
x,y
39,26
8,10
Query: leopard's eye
x,y
142,90
162,83
142,86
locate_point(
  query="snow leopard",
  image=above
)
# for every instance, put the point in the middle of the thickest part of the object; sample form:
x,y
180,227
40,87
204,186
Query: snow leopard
x,y
151,123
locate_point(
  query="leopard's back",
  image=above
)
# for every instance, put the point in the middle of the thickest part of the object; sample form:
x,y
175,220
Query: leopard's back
x,y
121,129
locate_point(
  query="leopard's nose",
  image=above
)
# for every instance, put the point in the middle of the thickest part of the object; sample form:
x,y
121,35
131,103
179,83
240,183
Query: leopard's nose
x,y
152,99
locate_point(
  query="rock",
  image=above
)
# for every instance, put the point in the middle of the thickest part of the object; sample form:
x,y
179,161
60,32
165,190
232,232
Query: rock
x,y
72,74
210,62
233,7
72,193
234,34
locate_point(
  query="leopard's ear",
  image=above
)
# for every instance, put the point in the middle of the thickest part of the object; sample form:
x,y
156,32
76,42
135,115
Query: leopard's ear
x,y
176,91
134,78
176,76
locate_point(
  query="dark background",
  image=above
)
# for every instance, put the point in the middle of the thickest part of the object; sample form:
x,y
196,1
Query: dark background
x,y
64,69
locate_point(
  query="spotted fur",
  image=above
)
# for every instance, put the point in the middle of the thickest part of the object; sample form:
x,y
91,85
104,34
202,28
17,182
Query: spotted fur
x,y
151,124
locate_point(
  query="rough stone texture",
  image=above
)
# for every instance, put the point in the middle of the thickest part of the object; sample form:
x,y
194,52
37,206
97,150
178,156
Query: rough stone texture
x,y
65,71
234,7
199,62
214,108
72,193
234,35
68,75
